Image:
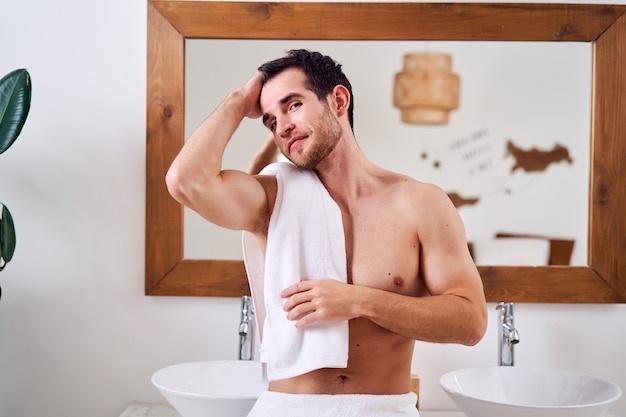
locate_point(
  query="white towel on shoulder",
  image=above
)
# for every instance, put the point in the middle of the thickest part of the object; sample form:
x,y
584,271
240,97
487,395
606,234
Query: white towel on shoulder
x,y
305,241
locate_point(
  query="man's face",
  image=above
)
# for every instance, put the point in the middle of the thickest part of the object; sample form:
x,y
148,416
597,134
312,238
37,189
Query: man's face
x,y
305,129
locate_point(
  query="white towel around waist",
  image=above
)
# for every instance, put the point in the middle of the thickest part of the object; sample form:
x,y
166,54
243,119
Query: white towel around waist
x,y
278,404
305,241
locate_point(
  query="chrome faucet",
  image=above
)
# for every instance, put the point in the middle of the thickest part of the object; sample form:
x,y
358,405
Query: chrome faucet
x,y
246,328
508,336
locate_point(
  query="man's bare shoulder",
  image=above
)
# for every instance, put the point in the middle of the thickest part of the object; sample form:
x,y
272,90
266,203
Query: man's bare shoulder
x,y
414,189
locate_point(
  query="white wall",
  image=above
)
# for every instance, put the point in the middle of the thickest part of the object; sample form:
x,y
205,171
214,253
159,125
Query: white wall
x,y
77,336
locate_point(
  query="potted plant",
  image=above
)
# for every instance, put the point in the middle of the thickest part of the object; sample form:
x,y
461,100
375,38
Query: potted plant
x,y
15,93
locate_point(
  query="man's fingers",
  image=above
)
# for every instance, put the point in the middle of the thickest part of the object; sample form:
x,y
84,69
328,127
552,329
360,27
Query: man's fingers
x,y
294,289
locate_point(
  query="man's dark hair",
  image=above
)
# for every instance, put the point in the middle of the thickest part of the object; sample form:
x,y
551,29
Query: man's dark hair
x,y
322,72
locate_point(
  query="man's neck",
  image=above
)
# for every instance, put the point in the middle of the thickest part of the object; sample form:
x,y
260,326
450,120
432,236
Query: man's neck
x,y
346,173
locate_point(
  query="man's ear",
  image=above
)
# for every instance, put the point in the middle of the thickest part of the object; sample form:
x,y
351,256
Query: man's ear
x,y
340,99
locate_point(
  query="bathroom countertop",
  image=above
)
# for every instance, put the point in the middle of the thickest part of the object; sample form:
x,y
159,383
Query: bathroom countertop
x,y
165,410
149,410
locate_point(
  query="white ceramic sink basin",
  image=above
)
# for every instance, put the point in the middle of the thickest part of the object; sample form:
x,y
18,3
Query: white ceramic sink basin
x,y
521,392
211,388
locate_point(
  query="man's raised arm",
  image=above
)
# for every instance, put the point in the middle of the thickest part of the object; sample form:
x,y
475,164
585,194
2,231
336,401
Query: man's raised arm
x,y
228,198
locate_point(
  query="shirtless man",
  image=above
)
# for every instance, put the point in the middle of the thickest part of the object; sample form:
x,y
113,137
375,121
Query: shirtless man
x,y
410,274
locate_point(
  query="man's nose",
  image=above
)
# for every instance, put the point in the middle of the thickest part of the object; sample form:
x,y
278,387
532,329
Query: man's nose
x,y
284,127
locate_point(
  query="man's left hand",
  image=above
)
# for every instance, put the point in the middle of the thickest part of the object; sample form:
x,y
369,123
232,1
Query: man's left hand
x,y
313,301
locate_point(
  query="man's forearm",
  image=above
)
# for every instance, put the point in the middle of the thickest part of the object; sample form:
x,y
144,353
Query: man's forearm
x,y
440,319
201,157
200,160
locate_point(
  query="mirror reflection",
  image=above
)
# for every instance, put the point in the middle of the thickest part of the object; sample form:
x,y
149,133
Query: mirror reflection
x,y
515,155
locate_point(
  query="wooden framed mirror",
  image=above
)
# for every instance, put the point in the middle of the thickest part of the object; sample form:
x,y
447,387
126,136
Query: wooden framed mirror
x,y
603,280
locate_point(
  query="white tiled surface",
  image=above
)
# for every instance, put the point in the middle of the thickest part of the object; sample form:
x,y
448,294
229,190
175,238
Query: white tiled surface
x,y
165,410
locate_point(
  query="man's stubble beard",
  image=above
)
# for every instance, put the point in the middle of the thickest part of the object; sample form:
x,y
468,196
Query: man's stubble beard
x,y
328,132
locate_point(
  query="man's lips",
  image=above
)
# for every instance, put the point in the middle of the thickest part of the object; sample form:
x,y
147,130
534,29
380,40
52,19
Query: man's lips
x,y
293,142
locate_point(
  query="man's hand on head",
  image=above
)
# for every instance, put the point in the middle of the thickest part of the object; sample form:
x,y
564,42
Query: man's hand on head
x,y
252,92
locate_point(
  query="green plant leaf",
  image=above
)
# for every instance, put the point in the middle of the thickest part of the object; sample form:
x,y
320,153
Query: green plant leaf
x,y
15,93
7,237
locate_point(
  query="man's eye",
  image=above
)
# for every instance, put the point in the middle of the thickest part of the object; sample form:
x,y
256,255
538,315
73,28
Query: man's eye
x,y
294,105
270,124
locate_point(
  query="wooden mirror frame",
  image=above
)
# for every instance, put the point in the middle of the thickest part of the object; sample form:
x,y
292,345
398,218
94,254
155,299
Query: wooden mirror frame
x,y
604,26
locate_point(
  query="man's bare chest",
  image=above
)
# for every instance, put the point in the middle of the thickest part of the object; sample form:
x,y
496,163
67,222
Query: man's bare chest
x,y
382,251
